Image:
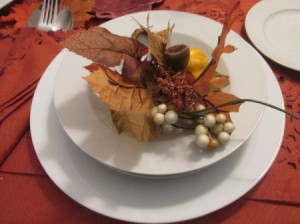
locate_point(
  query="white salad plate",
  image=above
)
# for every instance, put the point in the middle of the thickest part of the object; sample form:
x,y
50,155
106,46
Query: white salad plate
x,y
145,200
86,119
273,27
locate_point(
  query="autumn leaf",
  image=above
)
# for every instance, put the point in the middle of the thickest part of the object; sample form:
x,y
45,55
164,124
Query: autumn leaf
x,y
119,121
157,41
219,97
101,46
130,108
93,67
229,49
20,13
80,9
218,83
201,84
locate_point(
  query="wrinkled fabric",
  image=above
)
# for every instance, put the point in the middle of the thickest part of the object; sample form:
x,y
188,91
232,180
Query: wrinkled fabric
x,y
28,195
20,70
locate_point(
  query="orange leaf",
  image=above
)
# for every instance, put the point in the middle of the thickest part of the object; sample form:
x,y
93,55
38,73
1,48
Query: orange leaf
x,y
21,14
92,67
218,83
130,107
229,49
219,97
201,84
80,10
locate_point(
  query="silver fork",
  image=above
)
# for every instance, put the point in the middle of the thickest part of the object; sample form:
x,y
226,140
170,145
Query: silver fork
x,y
48,14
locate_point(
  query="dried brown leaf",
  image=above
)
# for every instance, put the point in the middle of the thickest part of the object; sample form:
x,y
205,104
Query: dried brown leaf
x,y
157,40
130,107
80,9
101,46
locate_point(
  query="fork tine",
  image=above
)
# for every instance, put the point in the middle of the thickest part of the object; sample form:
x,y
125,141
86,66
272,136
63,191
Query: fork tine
x,y
43,10
56,3
47,14
53,10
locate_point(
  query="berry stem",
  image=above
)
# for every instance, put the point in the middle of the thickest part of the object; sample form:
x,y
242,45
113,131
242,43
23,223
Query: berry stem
x,y
240,101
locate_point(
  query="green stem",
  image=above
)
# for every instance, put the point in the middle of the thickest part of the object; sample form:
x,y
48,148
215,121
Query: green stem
x,y
239,101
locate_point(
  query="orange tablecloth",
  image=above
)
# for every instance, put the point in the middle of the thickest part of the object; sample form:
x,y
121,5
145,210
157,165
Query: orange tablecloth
x,y
27,194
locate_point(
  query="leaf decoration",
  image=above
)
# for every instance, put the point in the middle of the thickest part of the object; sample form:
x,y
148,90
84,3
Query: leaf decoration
x,y
229,49
157,40
80,9
130,108
202,85
220,97
93,67
218,83
101,46
20,14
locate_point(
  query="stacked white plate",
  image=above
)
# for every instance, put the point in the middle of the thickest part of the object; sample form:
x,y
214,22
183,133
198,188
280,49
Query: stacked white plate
x,y
81,153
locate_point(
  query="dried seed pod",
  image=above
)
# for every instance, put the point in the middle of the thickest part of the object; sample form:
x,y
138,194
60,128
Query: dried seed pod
x,y
177,56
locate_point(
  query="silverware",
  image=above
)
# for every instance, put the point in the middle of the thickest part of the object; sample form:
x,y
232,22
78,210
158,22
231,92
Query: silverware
x,y
63,20
48,15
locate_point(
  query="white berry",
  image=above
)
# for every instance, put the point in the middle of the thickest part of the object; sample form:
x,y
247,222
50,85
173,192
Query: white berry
x,y
153,111
171,117
217,129
209,120
228,127
223,137
202,141
162,108
221,118
200,129
199,107
159,118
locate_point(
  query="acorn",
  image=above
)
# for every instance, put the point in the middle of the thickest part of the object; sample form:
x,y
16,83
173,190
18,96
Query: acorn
x,y
177,57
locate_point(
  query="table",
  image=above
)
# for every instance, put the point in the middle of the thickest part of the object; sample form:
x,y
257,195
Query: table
x,y
28,195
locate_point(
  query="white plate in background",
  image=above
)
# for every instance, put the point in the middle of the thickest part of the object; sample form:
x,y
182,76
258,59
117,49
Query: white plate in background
x,y
3,3
274,28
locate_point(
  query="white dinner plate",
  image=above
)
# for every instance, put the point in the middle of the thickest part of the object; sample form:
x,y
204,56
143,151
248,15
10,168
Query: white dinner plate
x,y
174,153
134,199
3,3
274,28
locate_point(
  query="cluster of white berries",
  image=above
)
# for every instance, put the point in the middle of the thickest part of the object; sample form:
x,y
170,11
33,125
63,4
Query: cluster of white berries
x,y
162,115
214,131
